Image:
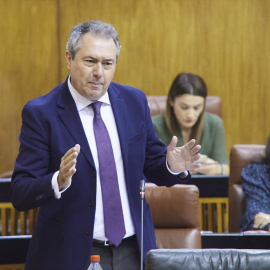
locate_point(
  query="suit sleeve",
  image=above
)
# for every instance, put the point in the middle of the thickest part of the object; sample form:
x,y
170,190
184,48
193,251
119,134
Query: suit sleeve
x,y
31,182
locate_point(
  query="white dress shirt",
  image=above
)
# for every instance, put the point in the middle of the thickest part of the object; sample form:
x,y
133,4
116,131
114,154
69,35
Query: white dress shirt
x,y
87,115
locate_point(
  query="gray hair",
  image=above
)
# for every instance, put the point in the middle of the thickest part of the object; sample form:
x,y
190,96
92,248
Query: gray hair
x,y
97,29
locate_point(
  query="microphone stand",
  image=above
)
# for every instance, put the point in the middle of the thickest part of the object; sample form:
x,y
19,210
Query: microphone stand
x,y
142,191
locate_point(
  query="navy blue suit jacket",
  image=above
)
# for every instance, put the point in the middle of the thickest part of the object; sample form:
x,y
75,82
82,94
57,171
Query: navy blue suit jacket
x,y
63,233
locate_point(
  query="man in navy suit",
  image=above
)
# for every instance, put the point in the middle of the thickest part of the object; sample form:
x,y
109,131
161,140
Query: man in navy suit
x,y
57,166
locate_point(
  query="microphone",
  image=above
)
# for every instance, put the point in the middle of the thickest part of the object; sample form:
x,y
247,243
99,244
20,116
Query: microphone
x,y
142,191
142,188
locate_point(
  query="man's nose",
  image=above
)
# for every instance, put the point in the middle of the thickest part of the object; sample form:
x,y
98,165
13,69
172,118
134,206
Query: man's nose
x,y
97,71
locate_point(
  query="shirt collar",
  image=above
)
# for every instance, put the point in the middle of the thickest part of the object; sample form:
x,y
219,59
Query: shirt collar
x,y
81,101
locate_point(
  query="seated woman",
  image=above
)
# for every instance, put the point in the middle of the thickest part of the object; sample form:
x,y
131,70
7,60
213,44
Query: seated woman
x,y
186,118
256,186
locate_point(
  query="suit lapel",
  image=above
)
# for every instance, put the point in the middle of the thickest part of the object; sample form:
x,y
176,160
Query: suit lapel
x,y
119,110
69,115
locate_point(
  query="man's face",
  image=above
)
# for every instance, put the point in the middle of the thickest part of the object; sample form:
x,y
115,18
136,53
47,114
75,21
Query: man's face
x,y
94,65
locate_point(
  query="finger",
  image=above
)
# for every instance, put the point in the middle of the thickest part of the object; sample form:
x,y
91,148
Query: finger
x,y
195,157
66,167
70,172
195,166
210,160
195,149
172,144
68,162
257,221
70,154
66,174
260,221
266,220
262,224
190,144
78,148
72,150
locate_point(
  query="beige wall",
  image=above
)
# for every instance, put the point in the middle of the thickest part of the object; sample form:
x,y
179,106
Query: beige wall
x,y
224,41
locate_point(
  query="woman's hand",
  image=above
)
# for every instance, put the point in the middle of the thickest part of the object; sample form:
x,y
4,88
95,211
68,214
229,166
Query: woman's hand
x,y
261,220
211,167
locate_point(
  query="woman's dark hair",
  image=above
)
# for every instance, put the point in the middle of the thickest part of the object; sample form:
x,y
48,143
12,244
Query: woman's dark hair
x,y
266,159
185,83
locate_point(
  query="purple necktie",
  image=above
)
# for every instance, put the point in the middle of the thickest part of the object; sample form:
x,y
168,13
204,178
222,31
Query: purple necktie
x,y
112,207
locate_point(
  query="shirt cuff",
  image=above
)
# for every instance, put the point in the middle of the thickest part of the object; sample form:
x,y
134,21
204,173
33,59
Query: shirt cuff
x,y
184,172
55,187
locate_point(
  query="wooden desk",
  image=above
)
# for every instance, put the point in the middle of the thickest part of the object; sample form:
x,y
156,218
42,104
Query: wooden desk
x,y
13,222
236,240
211,186
214,204
4,189
13,249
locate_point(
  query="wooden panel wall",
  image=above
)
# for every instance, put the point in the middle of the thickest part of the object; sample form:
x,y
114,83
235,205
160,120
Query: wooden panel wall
x,y
226,42
28,65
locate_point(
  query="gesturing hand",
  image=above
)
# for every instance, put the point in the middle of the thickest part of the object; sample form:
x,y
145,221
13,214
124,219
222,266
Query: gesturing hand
x,y
68,166
182,158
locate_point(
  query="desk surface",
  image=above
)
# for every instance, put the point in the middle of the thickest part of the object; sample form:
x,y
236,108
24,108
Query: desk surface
x,y
13,249
211,185
236,240
4,189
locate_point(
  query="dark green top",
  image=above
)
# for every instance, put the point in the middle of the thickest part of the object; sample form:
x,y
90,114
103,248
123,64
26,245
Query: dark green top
x,y
212,140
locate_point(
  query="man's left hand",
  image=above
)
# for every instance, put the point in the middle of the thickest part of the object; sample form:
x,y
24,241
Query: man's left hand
x,y
182,159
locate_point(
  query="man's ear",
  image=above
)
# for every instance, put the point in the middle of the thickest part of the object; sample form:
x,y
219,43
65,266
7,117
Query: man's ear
x,y
68,59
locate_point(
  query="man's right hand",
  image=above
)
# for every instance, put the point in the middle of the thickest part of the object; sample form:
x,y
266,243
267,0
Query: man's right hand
x,y
68,166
